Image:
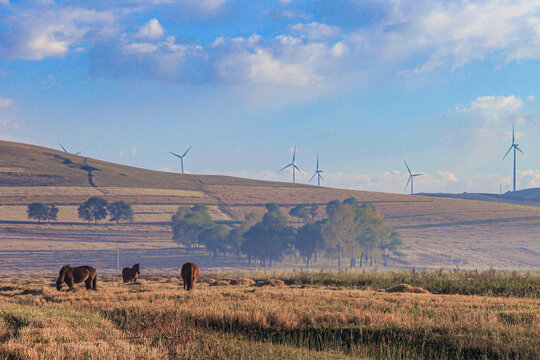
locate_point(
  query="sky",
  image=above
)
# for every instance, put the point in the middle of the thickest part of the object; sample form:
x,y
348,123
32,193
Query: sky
x,y
365,84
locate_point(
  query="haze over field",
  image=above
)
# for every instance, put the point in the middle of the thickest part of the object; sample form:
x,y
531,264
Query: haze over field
x,y
436,232
366,83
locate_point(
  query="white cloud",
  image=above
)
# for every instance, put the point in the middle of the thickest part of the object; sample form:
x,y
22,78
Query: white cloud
x,y
208,5
530,98
315,31
36,34
463,31
5,2
5,102
511,103
151,30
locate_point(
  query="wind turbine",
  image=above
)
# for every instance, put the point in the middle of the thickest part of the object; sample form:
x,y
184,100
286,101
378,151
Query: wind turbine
x,y
182,157
317,172
294,167
515,147
411,178
63,148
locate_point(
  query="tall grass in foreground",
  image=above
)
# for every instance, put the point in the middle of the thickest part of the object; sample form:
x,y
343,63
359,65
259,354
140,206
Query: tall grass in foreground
x,y
486,283
156,319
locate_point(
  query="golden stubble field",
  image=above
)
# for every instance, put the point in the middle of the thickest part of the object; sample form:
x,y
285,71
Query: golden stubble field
x,y
156,319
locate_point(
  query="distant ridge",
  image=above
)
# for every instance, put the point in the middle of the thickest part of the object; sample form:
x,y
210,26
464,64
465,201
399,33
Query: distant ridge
x,y
526,197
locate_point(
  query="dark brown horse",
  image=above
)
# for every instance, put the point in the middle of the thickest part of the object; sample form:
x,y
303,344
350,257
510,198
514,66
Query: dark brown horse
x,y
190,275
131,274
71,275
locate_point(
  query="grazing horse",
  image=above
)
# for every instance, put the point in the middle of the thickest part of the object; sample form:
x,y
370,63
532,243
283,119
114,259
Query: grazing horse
x,y
131,274
71,275
190,275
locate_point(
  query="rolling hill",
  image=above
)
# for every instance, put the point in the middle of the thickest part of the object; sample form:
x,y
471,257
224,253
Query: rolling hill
x,y
437,231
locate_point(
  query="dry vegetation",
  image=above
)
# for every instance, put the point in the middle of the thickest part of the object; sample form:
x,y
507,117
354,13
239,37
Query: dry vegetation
x,y
156,319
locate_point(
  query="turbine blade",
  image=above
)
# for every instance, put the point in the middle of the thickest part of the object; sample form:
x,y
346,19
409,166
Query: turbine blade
x,y
409,170
405,189
320,176
77,153
317,160
175,154
294,153
417,174
508,152
521,151
315,173
63,148
296,167
187,150
512,133
285,167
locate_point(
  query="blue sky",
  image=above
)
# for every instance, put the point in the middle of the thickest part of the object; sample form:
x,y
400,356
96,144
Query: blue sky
x,y
366,83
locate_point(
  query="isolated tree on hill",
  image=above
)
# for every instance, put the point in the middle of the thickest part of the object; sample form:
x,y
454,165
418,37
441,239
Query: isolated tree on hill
x,y
93,209
307,240
38,211
52,213
120,210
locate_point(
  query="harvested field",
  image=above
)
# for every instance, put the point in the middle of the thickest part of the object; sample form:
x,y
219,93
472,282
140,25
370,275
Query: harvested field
x,y
156,319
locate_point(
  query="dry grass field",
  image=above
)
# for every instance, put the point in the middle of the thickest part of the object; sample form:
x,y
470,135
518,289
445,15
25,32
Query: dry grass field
x,y
304,315
436,232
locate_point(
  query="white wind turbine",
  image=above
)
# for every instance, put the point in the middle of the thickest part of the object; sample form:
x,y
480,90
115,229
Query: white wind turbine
x,y
411,178
294,167
317,173
182,157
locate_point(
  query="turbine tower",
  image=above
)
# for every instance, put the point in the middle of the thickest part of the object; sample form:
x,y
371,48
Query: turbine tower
x,y
63,148
294,167
182,157
515,147
317,172
411,178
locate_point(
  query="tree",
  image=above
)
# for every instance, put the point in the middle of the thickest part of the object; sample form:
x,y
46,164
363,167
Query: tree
x,y
93,209
341,228
37,211
269,238
307,240
188,223
235,238
52,213
120,210
390,245
313,211
301,212
331,207
213,238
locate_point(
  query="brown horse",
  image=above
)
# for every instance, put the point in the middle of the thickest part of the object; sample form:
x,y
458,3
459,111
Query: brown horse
x,y
131,274
190,275
71,275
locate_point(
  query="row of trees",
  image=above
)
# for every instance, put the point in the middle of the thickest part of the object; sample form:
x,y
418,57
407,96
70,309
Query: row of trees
x,y
349,229
94,209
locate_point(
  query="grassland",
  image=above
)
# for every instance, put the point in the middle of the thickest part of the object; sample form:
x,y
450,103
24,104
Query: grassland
x,y
436,232
308,315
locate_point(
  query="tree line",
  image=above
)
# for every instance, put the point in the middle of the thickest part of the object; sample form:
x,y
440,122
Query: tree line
x,y
352,230
94,209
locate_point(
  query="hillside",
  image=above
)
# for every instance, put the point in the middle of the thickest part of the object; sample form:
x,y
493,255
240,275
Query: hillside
x,y
437,232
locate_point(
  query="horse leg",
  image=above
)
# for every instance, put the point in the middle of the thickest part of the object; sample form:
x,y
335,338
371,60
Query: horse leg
x,y
69,283
88,283
94,282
